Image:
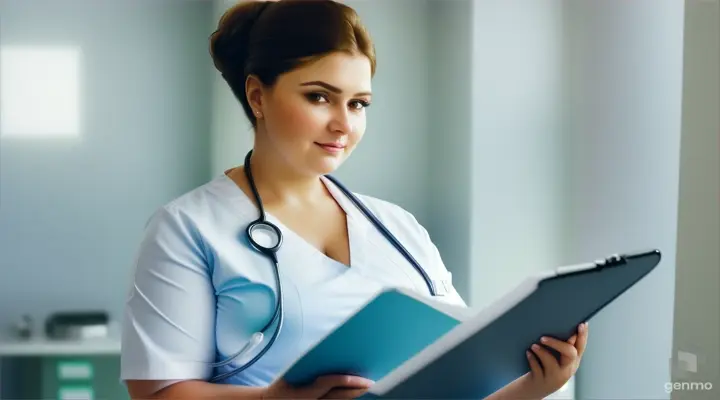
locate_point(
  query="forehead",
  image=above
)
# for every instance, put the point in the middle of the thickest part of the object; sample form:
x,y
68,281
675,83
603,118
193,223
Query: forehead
x,y
351,73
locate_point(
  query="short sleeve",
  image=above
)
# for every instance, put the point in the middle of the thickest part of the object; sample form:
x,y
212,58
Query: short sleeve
x,y
169,318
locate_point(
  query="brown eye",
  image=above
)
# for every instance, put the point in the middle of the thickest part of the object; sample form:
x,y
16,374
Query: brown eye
x,y
316,97
359,104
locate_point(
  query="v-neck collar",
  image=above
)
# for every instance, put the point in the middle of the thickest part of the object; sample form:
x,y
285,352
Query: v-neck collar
x,y
356,227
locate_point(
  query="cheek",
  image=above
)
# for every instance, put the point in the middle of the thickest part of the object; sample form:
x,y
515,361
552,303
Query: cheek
x,y
295,119
359,124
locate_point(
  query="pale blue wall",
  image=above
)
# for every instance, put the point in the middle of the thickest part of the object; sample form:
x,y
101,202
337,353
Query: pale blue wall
x,y
518,157
449,123
72,209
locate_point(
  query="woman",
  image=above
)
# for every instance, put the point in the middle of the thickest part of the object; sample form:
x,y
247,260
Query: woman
x,y
302,72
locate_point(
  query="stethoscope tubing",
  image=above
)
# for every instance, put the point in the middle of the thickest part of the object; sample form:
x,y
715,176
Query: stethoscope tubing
x,y
271,253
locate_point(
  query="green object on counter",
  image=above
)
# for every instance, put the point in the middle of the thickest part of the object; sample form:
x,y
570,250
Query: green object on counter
x,y
76,393
74,370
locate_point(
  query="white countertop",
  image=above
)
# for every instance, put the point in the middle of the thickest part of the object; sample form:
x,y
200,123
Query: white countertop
x,y
46,347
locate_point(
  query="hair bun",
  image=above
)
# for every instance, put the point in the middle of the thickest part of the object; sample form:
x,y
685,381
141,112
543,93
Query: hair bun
x,y
269,38
230,41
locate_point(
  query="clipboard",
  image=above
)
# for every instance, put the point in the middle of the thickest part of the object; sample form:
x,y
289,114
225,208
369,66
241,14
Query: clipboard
x,y
415,347
486,353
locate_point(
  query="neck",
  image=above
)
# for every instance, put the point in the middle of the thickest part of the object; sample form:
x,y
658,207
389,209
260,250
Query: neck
x,y
278,183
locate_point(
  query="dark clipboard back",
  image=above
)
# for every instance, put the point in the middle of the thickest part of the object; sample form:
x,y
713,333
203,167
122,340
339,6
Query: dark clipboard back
x,y
494,356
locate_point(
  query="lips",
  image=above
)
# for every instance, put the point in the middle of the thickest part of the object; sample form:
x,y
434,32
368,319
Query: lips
x,y
332,147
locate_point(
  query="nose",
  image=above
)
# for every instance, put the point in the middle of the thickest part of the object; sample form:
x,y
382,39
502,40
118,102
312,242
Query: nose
x,y
341,121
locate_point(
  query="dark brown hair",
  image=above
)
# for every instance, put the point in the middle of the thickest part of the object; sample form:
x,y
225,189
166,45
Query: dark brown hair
x,y
267,39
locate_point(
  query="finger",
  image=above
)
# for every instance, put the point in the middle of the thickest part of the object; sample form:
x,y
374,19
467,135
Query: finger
x,y
566,350
339,393
549,362
326,383
572,340
581,342
346,381
535,367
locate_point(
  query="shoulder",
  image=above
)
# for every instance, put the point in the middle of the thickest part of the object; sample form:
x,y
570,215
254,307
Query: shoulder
x,y
195,221
201,206
404,225
197,201
415,237
385,207
394,215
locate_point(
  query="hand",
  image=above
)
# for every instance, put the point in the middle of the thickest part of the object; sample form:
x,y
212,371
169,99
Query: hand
x,y
324,387
544,380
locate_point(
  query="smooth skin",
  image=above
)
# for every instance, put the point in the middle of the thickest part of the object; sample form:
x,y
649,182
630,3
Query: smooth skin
x,y
308,109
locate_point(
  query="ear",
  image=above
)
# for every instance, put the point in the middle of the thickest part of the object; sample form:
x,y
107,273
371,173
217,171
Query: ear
x,y
254,90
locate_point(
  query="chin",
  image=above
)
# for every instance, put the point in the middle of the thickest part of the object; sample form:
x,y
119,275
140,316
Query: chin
x,y
327,167
324,165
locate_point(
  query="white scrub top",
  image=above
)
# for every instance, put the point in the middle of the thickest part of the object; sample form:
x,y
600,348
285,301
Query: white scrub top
x,y
200,290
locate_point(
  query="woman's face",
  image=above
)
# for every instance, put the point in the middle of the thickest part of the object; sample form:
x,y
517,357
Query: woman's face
x,y
314,116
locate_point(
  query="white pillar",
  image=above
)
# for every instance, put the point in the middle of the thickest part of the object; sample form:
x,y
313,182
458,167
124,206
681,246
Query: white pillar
x,y
623,115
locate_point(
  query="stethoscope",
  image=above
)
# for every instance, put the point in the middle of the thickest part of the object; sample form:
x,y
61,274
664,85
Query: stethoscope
x,y
266,238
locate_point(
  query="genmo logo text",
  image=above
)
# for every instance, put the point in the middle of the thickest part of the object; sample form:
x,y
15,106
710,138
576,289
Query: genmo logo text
x,y
687,386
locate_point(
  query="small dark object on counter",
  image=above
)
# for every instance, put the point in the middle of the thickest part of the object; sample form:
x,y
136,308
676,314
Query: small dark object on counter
x,y
24,328
77,325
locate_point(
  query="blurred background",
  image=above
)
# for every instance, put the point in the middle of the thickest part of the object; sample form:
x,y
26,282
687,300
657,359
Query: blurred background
x,y
523,134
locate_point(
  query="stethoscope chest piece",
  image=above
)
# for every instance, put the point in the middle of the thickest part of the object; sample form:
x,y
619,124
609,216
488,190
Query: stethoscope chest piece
x,y
265,237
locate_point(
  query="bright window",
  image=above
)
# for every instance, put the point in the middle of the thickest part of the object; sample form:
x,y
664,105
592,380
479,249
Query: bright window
x,y
39,91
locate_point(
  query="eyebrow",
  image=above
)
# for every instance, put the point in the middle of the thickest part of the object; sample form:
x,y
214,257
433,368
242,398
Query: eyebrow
x,y
331,87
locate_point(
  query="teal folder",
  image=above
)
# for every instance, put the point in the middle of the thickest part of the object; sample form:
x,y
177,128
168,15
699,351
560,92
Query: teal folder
x,y
385,333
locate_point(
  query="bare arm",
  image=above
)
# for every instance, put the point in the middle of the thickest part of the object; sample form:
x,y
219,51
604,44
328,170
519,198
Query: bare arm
x,y
192,389
515,390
